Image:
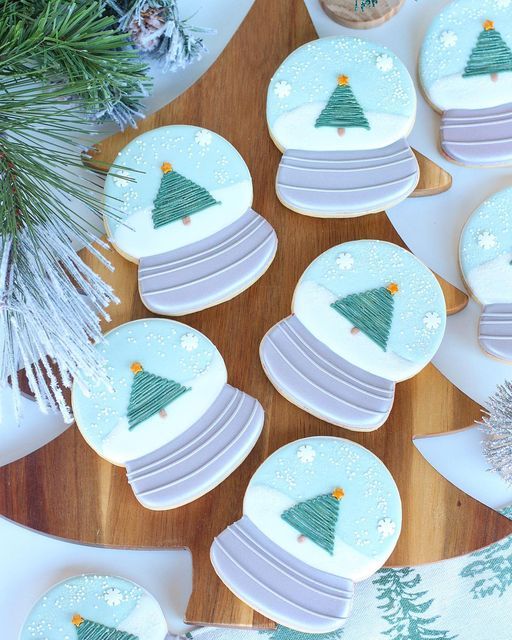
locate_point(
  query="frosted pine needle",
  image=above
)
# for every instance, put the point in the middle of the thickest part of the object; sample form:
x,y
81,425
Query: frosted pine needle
x,y
497,426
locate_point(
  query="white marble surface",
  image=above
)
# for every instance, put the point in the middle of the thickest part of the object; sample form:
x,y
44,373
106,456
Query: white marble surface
x,y
431,226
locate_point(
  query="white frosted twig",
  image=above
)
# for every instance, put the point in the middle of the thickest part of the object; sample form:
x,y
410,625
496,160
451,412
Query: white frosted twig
x,y
497,426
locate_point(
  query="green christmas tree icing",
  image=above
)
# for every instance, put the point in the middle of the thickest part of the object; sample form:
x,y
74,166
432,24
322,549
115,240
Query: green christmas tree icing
x,y
491,53
178,197
150,394
283,633
89,630
316,518
404,606
490,570
371,312
342,110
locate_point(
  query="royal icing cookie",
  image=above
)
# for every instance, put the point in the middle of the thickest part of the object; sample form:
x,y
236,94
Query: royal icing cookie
x,y
169,415
466,73
319,515
341,109
365,314
486,262
91,607
184,204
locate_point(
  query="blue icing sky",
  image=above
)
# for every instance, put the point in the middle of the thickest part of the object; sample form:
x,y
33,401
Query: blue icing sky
x,y
312,72
377,264
199,154
370,491
157,345
494,216
465,18
50,619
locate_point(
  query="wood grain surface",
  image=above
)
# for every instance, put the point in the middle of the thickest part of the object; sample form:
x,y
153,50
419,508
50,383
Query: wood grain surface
x,y
342,11
67,490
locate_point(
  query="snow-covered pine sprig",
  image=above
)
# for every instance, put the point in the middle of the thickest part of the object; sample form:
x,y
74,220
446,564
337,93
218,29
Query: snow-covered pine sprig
x,y
51,302
156,28
497,426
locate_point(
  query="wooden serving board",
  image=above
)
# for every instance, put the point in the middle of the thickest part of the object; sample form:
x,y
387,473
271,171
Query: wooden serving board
x,y
343,12
67,490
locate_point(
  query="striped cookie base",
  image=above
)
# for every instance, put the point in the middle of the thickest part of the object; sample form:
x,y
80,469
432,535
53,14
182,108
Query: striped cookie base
x,y
495,330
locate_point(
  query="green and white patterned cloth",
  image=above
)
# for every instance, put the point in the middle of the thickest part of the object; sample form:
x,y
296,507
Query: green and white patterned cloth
x,y
469,598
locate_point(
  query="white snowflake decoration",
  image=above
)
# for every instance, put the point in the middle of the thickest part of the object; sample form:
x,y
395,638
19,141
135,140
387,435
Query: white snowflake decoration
x,y
384,63
432,320
386,527
486,240
306,454
189,341
449,39
345,261
120,178
203,138
503,4
282,89
113,597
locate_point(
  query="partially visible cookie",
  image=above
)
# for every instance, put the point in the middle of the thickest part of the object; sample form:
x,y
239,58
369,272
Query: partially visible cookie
x,y
169,416
319,515
341,110
486,262
95,607
365,315
184,215
465,69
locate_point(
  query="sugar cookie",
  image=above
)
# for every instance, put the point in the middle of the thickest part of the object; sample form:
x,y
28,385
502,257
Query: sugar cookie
x,y
170,417
486,262
365,315
90,607
319,514
186,218
466,73
341,109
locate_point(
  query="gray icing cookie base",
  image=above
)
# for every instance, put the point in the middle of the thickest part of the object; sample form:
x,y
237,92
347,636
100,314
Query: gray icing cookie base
x,y
495,330
210,271
318,380
200,458
277,584
478,136
347,183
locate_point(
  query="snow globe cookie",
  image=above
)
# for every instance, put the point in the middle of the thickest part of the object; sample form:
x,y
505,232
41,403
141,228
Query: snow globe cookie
x,y
486,263
169,415
365,315
340,109
95,607
184,215
466,72
319,515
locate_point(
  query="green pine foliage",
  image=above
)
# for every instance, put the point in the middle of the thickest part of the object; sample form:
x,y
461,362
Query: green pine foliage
x,y
404,606
149,394
490,570
316,519
371,312
89,630
491,54
283,633
177,198
342,110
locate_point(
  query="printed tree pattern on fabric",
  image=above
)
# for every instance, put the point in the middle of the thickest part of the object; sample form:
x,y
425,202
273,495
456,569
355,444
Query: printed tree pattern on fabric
x,y
178,197
404,606
490,55
150,394
316,519
342,110
364,4
371,312
88,630
283,633
491,570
